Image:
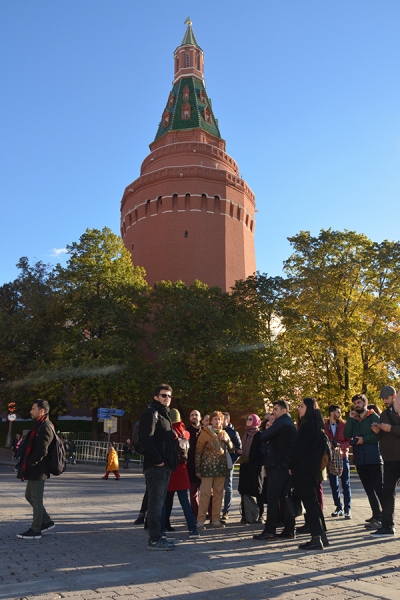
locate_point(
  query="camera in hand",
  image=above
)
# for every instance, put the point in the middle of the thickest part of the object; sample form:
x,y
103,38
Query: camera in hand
x,y
354,439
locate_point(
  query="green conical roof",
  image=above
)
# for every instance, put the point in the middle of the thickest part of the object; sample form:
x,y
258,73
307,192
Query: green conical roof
x,y
197,106
189,37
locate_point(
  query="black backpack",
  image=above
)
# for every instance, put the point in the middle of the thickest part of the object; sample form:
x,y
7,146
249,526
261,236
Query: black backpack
x,y
57,457
135,437
250,510
182,448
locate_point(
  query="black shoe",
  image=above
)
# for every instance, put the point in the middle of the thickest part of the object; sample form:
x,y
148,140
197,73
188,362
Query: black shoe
x,y
374,524
383,532
264,535
30,535
324,540
286,535
303,529
337,513
47,526
169,528
139,520
313,544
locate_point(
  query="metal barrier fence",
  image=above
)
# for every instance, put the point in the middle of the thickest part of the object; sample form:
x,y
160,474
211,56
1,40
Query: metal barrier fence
x,y
88,451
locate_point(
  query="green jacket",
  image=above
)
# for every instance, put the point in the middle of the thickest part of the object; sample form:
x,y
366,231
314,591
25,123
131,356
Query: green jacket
x,y
368,452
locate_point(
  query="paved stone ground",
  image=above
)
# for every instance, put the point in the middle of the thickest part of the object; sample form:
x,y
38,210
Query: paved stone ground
x,y
96,552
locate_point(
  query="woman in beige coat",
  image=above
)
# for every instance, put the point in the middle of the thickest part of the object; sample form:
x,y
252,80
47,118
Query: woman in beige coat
x,y
112,462
212,468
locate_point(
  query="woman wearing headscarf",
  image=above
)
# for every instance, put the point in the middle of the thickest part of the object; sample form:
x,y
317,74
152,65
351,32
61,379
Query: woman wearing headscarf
x,y
304,462
250,473
212,468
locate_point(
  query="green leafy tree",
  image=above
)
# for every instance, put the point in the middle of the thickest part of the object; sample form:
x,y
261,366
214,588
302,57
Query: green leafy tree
x,y
341,314
100,351
31,326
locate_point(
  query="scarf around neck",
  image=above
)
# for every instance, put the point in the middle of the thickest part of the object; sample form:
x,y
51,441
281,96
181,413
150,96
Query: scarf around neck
x,y
29,443
247,440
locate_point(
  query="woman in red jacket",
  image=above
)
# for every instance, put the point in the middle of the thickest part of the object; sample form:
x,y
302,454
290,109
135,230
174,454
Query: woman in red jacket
x,y
179,481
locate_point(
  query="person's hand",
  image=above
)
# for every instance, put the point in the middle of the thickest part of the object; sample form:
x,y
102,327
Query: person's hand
x,y
360,440
240,452
381,426
160,465
198,475
289,471
352,414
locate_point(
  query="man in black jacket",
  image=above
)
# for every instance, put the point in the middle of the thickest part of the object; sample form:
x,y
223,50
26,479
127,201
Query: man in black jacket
x,y
160,459
194,430
34,468
228,487
279,439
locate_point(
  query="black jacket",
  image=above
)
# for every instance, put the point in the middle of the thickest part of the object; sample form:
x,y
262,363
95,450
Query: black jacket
x,y
38,461
306,453
250,473
194,433
235,439
278,440
157,437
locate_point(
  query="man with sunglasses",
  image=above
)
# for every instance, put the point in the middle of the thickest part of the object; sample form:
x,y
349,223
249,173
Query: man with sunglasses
x,y
160,459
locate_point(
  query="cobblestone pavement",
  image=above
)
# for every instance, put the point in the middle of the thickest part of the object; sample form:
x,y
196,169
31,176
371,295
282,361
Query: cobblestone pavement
x,y
95,551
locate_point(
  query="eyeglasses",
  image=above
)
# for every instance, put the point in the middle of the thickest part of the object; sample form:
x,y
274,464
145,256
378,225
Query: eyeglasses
x,y
249,419
165,395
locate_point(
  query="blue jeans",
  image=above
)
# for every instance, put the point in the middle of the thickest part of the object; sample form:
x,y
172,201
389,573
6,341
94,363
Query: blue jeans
x,y
157,480
345,479
228,492
187,511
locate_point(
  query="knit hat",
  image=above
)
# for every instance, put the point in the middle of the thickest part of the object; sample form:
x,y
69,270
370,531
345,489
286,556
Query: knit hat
x,y
387,391
175,415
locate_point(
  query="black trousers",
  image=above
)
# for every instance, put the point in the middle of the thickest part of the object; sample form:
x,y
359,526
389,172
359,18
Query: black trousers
x,y
157,479
372,480
306,488
391,478
279,484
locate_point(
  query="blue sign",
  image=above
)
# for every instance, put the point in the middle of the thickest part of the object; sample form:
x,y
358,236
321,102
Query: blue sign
x,y
117,412
104,413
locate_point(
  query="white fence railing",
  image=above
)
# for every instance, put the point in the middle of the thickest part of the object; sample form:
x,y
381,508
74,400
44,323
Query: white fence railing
x,y
88,451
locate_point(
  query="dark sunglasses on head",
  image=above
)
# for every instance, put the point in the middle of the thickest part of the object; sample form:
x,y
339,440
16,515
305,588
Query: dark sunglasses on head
x,y
165,395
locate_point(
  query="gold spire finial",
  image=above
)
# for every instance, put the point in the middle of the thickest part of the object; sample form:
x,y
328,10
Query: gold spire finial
x,y
188,21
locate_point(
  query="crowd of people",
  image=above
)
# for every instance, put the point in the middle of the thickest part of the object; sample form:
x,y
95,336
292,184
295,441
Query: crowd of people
x,y
281,462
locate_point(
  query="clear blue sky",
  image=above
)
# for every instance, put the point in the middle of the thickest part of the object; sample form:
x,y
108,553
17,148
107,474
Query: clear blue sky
x,y
307,94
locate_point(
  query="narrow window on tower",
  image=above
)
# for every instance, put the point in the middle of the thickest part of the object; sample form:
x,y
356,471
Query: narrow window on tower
x,y
176,65
187,60
186,234
133,245
186,93
196,61
186,111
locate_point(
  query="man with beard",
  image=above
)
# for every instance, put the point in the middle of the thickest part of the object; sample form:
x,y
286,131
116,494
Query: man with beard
x,y
388,432
366,455
194,430
34,468
334,429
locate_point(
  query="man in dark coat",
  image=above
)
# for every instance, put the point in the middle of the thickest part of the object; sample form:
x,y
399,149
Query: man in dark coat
x,y
34,468
235,439
160,459
194,430
279,439
388,432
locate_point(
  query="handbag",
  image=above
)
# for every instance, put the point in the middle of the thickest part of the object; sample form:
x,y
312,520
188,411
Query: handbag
x,y
335,465
229,461
293,505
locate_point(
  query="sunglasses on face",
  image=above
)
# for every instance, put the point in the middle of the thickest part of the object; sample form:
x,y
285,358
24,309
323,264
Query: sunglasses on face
x,y
165,395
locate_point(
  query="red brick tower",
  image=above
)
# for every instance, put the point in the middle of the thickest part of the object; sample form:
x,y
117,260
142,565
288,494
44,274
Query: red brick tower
x,y
190,215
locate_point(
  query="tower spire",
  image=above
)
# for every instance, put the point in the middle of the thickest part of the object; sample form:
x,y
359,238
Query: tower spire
x,y
188,106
